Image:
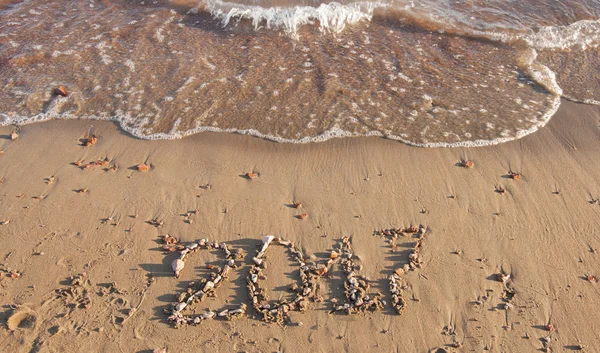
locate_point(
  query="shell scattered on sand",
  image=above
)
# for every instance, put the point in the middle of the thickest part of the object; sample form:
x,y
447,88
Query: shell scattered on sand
x,y
61,91
90,141
251,175
467,163
514,175
142,167
177,266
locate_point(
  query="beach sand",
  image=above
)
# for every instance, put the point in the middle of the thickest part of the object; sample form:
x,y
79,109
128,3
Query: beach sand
x,y
544,232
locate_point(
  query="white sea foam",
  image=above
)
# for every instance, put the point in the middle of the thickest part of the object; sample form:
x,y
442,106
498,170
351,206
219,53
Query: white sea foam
x,y
134,127
331,17
578,34
581,34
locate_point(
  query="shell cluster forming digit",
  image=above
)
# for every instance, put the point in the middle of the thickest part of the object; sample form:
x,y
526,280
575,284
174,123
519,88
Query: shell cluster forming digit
x,y
198,291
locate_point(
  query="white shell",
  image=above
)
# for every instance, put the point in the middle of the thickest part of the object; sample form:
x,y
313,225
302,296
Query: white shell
x,y
266,241
257,261
208,315
209,285
223,313
180,306
177,266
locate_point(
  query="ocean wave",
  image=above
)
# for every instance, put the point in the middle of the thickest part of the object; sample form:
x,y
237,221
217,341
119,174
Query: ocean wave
x,y
132,126
165,74
331,17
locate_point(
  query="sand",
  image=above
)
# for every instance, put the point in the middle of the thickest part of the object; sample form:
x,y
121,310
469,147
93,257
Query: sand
x,y
543,232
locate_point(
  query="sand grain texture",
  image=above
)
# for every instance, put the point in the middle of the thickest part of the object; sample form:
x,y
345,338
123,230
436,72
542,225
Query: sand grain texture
x,y
543,231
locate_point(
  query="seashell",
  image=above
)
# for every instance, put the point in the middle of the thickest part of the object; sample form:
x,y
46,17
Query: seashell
x,y
14,135
180,306
203,242
591,278
197,320
302,216
266,241
468,164
223,313
193,246
333,255
550,328
399,271
90,141
257,261
321,271
142,167
82,190
177,266
254,278
167,239
251,175
514,175
61,91
209,285
411,229
230,263
296,204
208,315
286,243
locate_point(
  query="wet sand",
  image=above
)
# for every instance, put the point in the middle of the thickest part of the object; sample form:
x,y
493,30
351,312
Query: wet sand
x,y
542,233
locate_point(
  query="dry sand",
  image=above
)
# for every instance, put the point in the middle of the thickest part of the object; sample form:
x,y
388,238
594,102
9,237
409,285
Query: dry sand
x,y
544,232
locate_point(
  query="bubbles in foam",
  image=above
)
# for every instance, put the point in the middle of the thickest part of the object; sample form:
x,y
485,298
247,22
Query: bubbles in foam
x,y
581,34
332,17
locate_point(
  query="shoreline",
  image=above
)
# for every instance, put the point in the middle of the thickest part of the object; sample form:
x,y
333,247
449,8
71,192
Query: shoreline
x,y
334,133
541,231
